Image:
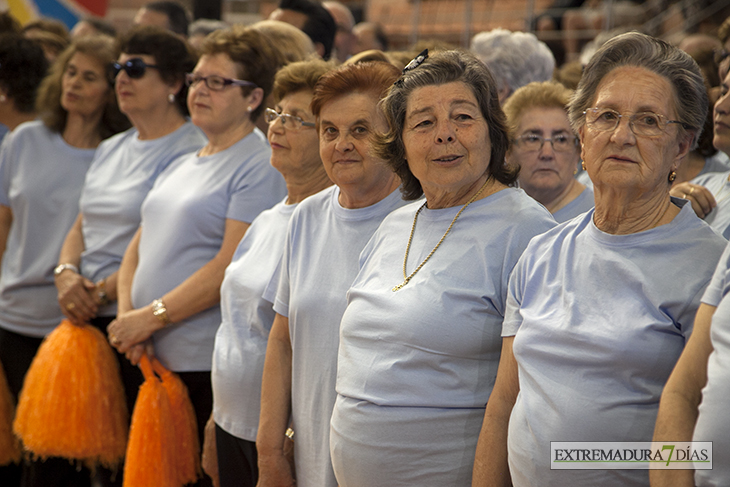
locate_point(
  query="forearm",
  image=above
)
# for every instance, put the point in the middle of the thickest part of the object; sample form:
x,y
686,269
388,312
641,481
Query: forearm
x,y
275,391
73,245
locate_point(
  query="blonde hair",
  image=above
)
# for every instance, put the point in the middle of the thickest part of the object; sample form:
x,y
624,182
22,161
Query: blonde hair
x,y
545,94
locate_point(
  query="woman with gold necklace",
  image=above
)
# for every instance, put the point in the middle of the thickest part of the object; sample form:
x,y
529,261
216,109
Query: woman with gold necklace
x,y
420,339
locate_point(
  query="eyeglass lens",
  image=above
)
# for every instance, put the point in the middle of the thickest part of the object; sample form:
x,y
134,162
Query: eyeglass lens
x,y
135,68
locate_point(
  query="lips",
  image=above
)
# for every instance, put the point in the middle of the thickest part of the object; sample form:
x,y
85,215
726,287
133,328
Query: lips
x,y
620,158
448,159
719,124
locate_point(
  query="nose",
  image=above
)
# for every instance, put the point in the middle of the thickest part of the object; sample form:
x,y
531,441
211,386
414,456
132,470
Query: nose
x,y
343,143
722,105
547,150
623,133
277,125
445,133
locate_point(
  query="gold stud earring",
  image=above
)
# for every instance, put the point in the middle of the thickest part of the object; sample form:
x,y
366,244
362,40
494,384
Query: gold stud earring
x,y
672,177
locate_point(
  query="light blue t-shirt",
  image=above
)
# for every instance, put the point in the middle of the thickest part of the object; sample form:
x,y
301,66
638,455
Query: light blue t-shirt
x,y
319,263
183,224
118,180
720,162
416,366
240,344
713,422
40,180
599,321
717,183
582,203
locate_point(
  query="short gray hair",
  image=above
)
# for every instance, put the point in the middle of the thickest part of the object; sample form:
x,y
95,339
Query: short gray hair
x,y
643,51
517,58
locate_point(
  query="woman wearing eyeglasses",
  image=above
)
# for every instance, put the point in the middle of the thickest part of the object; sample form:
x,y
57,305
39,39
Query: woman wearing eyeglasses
x,y
240,344
42,168
196,214
546,149
149,79
600,307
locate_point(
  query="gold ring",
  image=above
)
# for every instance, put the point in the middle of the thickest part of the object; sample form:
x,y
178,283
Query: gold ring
x,y
692,188
113,339
70,306
684,196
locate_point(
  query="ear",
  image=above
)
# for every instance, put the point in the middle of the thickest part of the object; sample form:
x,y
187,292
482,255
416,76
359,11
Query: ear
x,y
176,86
319,47
684,145
255,98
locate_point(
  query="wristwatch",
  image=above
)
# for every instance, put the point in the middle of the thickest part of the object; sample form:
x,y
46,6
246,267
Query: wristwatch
x,y
59,269
160,312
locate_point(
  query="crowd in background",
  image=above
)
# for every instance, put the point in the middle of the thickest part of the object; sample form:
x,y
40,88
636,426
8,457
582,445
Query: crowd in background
x,y
374,266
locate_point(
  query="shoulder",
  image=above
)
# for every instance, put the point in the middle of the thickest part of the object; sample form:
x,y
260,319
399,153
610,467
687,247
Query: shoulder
x,y
31,130
711,178
518,211
316,204
113,142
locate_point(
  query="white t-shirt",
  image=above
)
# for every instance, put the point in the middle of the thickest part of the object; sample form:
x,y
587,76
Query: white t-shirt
x,y
240,344
40,180
717,183
713,422
599,321
118,180
183,224
319,263
416,366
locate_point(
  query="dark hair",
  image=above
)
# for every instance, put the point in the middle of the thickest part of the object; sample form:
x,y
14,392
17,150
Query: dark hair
x,y
320,26
173,56
104,50
9,24
445,67
48,25
177,16
302,75
22,68
372,78
252,52
643,51
101,26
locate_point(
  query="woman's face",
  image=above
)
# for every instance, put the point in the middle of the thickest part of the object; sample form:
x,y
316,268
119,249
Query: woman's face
x,y
138,96
446,138
294,149
545,169
347,124
721,138
84,86
217,111
621,159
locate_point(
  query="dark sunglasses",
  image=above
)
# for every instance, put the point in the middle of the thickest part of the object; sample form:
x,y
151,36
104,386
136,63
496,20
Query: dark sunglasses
x,y
135,68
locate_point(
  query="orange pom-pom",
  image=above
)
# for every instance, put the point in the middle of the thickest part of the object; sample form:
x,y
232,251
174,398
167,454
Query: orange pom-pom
x,y
151,450
9,444
72,404
185,424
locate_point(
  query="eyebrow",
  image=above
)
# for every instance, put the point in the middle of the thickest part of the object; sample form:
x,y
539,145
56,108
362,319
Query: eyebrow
x,y
453,104
360,121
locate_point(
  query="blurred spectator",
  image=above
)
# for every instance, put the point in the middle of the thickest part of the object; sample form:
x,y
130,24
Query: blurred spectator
x,y
92,26
515,59
291,43
344,22
369,35
569,74
46,25
199,29
702,48
168,15
313,19
371,55
9,24
51,34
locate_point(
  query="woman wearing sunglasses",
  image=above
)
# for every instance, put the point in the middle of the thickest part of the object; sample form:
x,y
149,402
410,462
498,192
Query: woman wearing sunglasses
x,y
149,79
196,214
42,168
546,149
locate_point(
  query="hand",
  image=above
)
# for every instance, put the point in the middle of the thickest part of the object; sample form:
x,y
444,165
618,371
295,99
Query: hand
x,y
275,471
132,328
76,296
700,197
209,461
135,352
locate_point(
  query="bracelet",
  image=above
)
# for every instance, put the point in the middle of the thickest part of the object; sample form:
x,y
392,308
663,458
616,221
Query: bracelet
x,y
160,311
62,267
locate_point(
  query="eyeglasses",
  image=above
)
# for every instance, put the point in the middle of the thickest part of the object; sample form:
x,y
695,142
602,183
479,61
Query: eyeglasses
x,y
719,55
287,119
135,68
647,124
215,83
559,143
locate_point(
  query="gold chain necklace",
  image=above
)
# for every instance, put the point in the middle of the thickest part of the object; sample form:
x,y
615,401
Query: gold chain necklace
x,y
406,277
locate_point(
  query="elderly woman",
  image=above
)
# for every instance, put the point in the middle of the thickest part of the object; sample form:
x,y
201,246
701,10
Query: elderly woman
x,y
23,68
326,234
546,149
595,320
240,344
150,86
196,214
419,343
78,110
